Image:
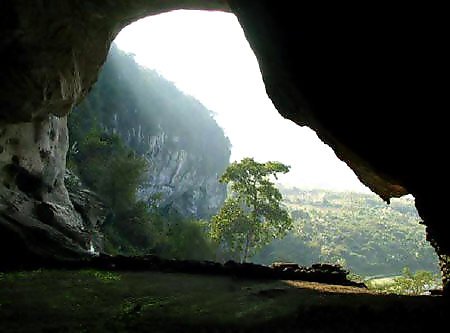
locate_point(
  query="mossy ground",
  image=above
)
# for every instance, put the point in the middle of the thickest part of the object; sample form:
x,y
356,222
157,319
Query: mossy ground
x,y
100,301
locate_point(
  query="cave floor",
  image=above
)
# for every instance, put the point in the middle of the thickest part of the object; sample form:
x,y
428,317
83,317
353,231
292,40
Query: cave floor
x,y
101,301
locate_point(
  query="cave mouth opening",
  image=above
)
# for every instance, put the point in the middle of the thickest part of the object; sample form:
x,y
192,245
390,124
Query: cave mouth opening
x,y
205,54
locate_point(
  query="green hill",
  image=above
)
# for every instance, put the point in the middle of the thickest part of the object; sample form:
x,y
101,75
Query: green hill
x,y
359,231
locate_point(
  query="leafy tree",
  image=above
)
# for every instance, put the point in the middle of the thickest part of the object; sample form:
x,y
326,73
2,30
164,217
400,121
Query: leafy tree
x,y
252,216
182,238
414,283
111,169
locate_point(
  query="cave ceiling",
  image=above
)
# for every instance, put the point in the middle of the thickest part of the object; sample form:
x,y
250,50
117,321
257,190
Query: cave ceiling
x,y
368,78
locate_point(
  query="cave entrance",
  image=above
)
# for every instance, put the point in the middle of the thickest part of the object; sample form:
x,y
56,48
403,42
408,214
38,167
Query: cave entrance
x,y
206,55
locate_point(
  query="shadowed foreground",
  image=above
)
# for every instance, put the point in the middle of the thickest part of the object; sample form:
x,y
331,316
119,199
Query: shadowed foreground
x,y
103,301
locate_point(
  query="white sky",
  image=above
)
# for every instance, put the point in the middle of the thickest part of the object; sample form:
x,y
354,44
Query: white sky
x,y
207,56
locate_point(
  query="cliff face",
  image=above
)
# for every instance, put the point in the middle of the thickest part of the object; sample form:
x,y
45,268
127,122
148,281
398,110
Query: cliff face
x,y
174,182
185,149
176,178
37,218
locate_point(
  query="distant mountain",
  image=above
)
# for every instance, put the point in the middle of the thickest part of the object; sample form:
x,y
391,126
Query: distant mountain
x,y
186,149
359,231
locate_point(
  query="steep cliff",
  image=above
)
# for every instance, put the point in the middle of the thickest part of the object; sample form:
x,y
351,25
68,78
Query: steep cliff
x,y
185,148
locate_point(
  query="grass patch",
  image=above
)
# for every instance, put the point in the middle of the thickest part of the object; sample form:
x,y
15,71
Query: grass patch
x,y
103,276
102,301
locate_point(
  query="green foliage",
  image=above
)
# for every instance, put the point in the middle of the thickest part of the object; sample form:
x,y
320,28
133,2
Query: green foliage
x,y
103,276
131,232
18,275
414,283
115,172
111,169
358,230
182,238
149,230
230,227
253,215
408,283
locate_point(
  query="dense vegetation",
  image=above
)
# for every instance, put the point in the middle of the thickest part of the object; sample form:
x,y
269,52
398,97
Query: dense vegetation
x,y
409,283
359,231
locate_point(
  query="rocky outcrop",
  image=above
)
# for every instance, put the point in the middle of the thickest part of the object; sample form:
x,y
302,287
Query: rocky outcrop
x,y
370,84
91,209
321,273
174,182
176,178
37,215
39,220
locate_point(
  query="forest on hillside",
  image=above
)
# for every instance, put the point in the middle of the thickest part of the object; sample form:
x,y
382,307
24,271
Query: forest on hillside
x,y
358,231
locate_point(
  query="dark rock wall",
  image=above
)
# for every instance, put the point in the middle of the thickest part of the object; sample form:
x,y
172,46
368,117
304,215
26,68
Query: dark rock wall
x,y
52,50
368,78
34,203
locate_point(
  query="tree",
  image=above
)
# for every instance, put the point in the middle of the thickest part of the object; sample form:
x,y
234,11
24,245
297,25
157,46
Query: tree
x,y
252,215
111,169
414,283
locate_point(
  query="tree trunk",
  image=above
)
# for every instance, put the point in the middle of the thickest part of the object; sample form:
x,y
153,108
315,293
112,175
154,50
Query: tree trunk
x,y
247,242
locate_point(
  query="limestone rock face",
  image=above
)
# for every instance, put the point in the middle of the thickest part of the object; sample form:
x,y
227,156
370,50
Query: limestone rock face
x,y
176,178
34,203
39,220
91,209
370,84
32,159
173,178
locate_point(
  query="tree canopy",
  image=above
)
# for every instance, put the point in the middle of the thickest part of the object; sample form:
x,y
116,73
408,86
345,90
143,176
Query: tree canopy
x,y
110,168
252,215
